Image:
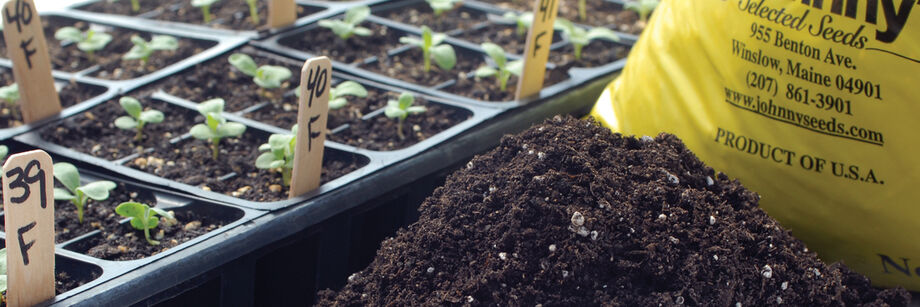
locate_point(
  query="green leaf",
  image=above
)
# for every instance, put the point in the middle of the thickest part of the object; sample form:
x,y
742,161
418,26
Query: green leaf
x,y
202,132
279,140
152,222
152,116
131,209
564,25
268,76
3,152
516,67
265,147
125,123
98,190
394,111
412,40
230,130
405,100
348,88
68,175
164,42
601,32
485,71
444,56
337,103
244,63
264,161
157,211
10,92
132,106
357,14
362,31
215,105
3,283
62,194
495,52
71,34
438,38
200,3
416,109
214,120
95,41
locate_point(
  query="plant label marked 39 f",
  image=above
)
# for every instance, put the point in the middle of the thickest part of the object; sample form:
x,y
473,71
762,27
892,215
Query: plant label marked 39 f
x,y
29,206
311,125
536,52
281,13
31,64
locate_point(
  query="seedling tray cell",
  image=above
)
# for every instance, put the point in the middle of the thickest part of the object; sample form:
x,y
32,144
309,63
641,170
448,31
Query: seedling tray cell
x,y
120,74
76,95
91,271
602,13
394,66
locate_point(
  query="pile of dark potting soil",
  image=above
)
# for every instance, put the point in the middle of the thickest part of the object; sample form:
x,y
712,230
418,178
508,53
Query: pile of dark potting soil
x,y
569,214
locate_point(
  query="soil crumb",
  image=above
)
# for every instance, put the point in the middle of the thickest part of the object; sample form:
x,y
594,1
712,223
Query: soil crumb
x,y
569,214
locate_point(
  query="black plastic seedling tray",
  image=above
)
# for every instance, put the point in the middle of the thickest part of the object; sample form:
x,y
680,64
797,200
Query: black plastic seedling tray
x,y
369,161
103,89
576,76
313,11
210,45
72,251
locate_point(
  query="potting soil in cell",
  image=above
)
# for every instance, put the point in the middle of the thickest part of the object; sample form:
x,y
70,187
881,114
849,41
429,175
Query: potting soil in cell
x,y
569,214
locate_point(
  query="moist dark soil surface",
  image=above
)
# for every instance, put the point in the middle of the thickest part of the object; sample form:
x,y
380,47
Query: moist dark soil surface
x,y
503,35
488,89
70,94
234,173
96,214
94,132
569,214
284,115
422,15
225,14
381,133
409,66
596,53
598,13
110,65
218,79
355,49
126,243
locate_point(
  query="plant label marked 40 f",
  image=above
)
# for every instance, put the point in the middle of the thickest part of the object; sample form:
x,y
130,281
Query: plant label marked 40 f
x,y
27,193
536,51
313,110
31,64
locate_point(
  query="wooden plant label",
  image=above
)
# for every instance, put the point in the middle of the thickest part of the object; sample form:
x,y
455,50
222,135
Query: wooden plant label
x,y
536,52
281,13
28,200
311,125
25,40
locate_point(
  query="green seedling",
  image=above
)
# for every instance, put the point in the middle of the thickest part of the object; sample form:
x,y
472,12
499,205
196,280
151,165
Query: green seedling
x,y
78,195
135,5
88,41
205,6
279,155
216,127
441,6
400,109
431,44
338,93
523,21
10,94
504,68
349,25
580,37
144,217
265,76
143,49
642,7
137,118
253,11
